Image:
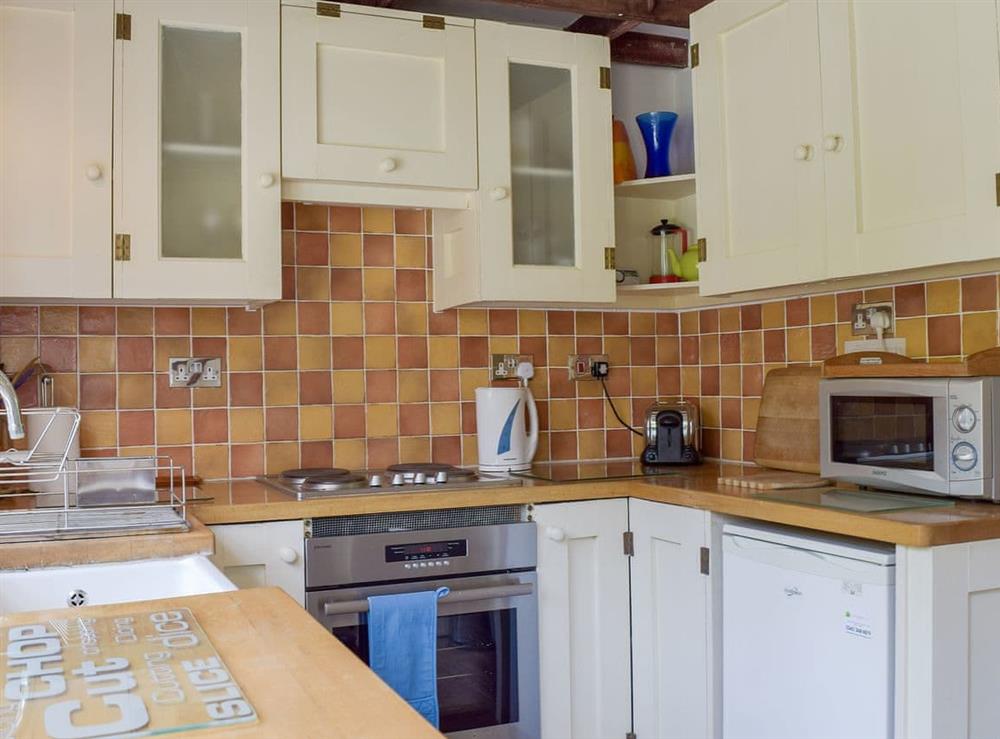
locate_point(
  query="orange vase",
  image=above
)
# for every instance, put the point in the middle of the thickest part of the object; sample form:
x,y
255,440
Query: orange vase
x,y
624,164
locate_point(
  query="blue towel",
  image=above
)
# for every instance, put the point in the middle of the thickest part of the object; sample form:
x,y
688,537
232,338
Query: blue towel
x,y
402,646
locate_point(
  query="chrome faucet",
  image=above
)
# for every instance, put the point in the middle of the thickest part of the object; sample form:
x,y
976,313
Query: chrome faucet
x,y
8,396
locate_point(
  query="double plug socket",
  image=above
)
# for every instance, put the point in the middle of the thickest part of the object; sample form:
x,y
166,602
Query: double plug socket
x,y
195,371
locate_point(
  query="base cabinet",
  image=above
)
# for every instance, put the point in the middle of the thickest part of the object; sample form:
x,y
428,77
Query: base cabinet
x,y
255,555
671,621
583,620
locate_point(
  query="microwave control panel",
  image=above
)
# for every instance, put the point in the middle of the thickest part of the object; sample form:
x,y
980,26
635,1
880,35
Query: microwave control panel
x,y
967,428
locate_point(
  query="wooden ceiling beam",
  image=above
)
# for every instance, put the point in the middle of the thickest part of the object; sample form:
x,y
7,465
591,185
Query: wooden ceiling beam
x,y
661,12
650,49
610,27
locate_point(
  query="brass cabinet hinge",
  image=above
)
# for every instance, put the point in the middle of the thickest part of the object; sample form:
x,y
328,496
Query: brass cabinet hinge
x,y
123,26
609,257
703,560
605,78
328,10
702,250
998,189
434,22
123,247
628,543
695,56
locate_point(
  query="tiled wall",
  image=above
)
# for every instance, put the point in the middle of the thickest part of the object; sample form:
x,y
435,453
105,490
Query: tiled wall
x,y
726,352
352,368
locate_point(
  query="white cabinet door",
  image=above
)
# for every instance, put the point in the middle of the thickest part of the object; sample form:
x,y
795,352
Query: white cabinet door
x,y
55,148
758,155
911,108
583,618
670,622
378,97
197,150
546,186
255,555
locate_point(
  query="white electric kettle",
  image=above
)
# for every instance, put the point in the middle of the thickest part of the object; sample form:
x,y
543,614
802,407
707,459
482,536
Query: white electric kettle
x,y
505,443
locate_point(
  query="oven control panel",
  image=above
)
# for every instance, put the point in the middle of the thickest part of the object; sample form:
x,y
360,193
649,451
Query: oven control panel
x,y
426,553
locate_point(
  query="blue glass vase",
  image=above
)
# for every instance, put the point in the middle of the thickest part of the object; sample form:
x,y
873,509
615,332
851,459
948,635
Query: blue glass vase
x,y
657,128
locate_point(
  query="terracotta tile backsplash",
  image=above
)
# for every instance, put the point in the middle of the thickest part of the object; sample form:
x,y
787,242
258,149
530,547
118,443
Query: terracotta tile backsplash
x,y
726,352
353,368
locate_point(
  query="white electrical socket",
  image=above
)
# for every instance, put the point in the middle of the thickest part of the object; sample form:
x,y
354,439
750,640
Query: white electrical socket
x,y
195,372
504,366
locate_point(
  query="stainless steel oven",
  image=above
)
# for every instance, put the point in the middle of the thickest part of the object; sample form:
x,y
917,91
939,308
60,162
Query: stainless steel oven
x,y
487,638
929,435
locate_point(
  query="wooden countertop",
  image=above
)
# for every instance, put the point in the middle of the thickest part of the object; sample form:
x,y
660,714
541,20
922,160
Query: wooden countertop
x,y
299,678
244,501
198,540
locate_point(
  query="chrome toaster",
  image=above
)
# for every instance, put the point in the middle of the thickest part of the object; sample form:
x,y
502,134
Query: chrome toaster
x,y
673,433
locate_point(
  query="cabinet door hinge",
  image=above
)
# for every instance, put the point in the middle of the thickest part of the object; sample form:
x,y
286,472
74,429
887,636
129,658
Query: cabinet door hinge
x,y
702,250
703,560
695,56
628,543
123,26
123,247
609,257
998,189
328,10
434,22
605,78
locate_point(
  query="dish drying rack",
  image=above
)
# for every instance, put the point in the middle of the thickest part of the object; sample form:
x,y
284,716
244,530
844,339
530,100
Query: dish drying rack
x,y
45,495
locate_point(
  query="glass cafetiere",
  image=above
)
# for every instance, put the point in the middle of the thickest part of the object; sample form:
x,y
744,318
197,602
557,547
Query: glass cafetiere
x,y
667,237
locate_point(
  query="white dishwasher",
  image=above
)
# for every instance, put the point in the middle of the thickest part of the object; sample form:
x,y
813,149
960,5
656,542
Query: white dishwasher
x,y
807,635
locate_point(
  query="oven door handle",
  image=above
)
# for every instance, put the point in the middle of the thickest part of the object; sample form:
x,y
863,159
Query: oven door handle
x,y
335,608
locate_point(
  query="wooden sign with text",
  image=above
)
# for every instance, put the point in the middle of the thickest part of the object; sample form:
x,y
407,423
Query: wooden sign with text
x,y
132,675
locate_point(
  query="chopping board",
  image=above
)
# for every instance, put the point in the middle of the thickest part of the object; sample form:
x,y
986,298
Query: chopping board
x,y
788,422
779,480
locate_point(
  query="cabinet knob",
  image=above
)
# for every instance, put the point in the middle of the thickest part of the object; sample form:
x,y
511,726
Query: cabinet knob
x,y
288,555
803,153
833,142
93,172
266,179
554,533
388,164
498,193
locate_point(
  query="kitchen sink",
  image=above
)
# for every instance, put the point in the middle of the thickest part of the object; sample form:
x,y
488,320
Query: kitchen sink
x,y
117,582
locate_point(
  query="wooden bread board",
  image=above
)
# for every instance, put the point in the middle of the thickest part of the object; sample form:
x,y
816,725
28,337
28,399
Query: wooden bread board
x,y
767,480
985,363
788,422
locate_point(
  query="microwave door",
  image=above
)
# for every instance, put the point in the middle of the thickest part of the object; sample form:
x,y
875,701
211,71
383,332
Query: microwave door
x,y
888,434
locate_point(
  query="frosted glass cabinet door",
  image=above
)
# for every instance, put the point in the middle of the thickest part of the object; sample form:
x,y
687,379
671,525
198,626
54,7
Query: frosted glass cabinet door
x,y
378,96
55,148
546,204
197,151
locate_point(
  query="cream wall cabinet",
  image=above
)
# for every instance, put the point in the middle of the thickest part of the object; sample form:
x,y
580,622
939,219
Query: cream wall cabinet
x,y
583,619
911,133
378,96
55,148
844,139
197,151
255,555
543,219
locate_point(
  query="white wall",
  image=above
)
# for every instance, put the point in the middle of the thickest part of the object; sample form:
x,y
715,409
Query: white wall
x,y
639,89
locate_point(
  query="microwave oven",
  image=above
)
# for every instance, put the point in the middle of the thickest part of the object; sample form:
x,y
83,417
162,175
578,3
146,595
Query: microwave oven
x,y
925,435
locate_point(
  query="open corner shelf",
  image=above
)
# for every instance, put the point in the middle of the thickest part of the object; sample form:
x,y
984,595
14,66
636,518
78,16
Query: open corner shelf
x,y
660,188
658,288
